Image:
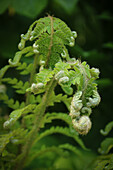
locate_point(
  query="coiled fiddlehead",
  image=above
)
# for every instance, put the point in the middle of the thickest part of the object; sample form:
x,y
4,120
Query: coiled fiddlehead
x,y
84,99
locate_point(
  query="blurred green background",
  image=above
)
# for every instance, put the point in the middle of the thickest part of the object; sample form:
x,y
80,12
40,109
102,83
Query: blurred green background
x,y
93,21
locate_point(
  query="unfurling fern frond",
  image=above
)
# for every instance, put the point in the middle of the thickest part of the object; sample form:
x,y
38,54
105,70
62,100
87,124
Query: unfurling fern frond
x,y
50,35
52,66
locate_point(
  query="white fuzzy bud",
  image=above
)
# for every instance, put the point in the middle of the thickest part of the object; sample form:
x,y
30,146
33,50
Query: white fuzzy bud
x,y
74,113
95,100
35,46
31,38
63,80
83,125
36,87
72,39
59,75
22,35
40,85
71,44
36,51
64,54
42,62
20,46
74,34
95,72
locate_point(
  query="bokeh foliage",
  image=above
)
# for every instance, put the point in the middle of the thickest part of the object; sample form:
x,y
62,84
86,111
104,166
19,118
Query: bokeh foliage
x,y
93,21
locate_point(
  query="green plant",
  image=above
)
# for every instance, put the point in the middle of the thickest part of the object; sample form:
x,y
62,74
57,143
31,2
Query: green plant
x,y
47,40
105,160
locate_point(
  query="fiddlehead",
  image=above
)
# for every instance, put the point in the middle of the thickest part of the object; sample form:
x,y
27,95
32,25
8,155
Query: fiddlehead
x,y
48,38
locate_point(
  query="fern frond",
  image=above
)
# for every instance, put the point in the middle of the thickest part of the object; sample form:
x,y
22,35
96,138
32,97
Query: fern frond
x,y
15,136
18,56
26,69
53,116
108,128
17,114
3,70
42,78
60,150
17,84
65,131
59,98
51,35
71,148
106,146
43,150
11,103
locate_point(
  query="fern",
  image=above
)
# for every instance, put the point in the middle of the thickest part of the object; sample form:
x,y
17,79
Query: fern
x,y
17,85
65,131
105,161
52,66
11,103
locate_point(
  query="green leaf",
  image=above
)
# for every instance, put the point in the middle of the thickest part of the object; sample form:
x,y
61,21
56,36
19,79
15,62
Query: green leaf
x,y
65,131
71,148
17,114
55,149
4,5
29,8
108,128
3,70
106,146
58,98
54,116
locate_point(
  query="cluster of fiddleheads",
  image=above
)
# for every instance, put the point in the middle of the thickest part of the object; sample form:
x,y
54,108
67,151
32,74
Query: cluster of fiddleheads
x,y
48,38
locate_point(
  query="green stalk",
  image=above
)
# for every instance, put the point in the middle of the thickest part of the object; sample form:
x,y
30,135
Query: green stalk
x,y
39,111
36,61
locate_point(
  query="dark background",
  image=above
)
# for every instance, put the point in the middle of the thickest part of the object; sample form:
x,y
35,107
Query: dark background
x,y
93,21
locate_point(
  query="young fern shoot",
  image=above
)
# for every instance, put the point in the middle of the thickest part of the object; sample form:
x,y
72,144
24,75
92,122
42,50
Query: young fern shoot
x,y
52,66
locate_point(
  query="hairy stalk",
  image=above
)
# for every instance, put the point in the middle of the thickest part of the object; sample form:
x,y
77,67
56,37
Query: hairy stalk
x,y
36,60
40,110
85,79
51,42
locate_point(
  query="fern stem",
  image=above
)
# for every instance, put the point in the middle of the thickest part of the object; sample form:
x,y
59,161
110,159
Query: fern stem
x,y
36,60
39,112
51,42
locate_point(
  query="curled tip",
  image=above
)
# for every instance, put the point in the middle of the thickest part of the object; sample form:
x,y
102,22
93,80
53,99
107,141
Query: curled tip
x,y
86,110
63,54
42,62
72,38
6,124
31,38
74,34
35,46
20,46
71,44
22,35
59,74
36,51
64,80
83,125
